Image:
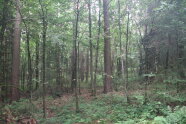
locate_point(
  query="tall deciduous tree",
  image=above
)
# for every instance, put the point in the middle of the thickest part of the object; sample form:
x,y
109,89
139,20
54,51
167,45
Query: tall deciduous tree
x,y
126,59
37,63
74,70
16,54
90,42
43,15
107,49
97,48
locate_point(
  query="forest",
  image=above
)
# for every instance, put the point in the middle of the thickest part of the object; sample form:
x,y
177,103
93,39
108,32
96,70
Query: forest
x,y
92,61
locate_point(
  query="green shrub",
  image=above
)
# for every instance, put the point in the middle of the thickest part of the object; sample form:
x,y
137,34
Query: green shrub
x,y
178,117
22,107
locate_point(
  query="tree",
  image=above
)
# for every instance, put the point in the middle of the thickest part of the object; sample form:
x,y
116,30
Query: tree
x,y
37,62
44,31
97,48
120,59
74,71
107,49
16,54
126,59
90,42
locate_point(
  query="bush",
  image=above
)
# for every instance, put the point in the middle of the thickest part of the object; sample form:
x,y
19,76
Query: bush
x,y
22,107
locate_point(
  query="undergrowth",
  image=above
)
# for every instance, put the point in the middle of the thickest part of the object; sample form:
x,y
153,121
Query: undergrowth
x,y
107,109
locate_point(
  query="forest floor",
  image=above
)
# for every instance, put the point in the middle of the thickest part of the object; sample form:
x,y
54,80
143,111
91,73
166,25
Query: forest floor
x,y
161,108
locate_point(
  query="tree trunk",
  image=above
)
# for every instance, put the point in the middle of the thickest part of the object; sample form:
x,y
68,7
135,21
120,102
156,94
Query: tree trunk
x,y
44,31
58,69
74,71
78,64
16,54
90,42
87,66
29,63
97,48
23,73
126,59
37,65
120,59
107,49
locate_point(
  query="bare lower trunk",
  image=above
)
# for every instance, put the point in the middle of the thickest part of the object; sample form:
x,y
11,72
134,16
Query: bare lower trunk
x,y
90,42
74,78
16,54
107,49
87,66
126,66
37,65
44,29
97,48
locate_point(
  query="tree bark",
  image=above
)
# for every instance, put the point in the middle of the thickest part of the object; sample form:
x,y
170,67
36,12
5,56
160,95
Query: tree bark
x,y
74,71
87,66
29,63
90,42
107,49
16,54
37,65
78,64
58,69
44,31
97,48
120,59
126,59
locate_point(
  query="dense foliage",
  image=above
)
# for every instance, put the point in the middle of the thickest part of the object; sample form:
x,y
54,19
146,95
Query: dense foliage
x,y
56,49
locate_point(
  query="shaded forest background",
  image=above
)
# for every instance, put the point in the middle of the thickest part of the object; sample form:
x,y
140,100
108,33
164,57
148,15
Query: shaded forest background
x,y
59,47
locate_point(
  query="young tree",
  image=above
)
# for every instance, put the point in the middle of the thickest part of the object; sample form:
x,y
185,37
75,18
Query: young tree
x,y
97,48
120,59
126,59
107,49
43,15
90,42
37,62
74,70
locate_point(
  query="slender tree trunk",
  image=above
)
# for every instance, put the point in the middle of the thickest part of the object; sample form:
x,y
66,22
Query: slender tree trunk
x,y
73,66
87,66
43,81
78,57
58,69
37,65
16,54
90,42
97,48
120,61
23,71
29,63
74,71
44,29
107,49
126,66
